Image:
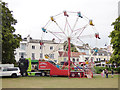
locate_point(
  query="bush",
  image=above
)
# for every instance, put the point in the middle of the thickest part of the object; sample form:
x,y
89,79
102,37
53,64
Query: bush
x,y
115,72
98,70
16,64
118,70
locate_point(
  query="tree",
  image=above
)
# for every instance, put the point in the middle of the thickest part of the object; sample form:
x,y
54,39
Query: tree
x,y
10,40
73,48
115,41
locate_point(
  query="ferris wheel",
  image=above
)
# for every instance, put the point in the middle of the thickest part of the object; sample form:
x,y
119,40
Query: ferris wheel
x,y
70,27
73,25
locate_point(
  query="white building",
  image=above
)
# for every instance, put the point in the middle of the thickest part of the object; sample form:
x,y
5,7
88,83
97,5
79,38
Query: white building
x,y
21,51
31,48
83,49
75,56
101,57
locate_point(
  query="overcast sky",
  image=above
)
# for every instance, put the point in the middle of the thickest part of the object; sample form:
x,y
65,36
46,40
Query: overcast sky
x,y
34,14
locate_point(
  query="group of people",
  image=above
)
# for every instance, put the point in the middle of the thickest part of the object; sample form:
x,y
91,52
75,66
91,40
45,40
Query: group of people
x,y
105,72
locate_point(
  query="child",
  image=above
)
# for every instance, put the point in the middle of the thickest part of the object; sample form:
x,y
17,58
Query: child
x,y
103,73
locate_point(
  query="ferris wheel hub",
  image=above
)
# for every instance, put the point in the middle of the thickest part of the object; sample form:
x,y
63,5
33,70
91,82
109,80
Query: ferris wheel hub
x,y
69,37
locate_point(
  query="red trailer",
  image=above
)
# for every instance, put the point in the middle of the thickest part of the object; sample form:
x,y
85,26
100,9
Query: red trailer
x,y
47,68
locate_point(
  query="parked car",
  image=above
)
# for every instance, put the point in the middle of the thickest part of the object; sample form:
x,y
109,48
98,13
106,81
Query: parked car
x,y
10,71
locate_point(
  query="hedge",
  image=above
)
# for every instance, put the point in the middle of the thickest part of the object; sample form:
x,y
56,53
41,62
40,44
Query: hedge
x,y
98,70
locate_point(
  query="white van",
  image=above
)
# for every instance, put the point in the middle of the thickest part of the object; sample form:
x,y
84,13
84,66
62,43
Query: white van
x,y
10,71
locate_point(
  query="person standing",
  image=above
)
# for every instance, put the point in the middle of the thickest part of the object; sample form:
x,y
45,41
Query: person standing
x,y
103,73
112,72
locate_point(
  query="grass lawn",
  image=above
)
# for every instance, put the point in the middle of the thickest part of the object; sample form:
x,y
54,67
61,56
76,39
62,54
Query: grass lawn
x,y
60,82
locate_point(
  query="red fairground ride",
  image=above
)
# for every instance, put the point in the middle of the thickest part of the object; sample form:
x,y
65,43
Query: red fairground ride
x,y
75,28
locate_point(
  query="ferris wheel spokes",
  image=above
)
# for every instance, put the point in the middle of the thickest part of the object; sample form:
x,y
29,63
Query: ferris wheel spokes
x,y
75,23
61,29
78,32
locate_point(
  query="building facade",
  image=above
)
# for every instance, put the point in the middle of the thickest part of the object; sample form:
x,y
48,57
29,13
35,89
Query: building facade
x,y
101,57
83,49
75,56
31,48
37,49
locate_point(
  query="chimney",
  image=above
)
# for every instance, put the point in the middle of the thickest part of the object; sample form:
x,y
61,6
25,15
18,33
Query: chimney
x,y
28,38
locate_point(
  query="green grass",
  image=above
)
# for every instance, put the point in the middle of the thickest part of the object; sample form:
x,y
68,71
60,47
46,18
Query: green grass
x,y
60,82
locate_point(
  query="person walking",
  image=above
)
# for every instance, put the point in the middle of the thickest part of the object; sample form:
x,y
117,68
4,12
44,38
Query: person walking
x,y
106,72
112,72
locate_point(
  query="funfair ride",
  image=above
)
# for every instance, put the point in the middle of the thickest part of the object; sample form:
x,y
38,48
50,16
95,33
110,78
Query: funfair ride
x,y
74,28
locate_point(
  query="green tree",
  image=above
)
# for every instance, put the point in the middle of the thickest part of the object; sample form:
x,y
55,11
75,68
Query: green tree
x,y
115,41
10,40
73,48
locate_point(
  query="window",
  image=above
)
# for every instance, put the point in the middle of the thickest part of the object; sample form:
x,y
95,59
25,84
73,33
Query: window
x,y
40,47
51,56
65,59
96,59
105,54
23,46
33,47
99,59
100,54
95,54
22,55
12,69
98,65
51,47
33,55
73,60
104,59
77,59
41,55
5,69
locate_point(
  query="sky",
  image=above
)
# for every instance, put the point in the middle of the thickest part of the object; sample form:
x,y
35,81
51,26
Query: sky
x,y
32,15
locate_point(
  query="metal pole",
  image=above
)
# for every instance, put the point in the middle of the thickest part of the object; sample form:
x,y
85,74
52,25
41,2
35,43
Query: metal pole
x,y
69,57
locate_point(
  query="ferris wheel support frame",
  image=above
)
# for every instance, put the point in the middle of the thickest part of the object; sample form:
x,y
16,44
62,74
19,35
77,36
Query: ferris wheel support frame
x,y
69,55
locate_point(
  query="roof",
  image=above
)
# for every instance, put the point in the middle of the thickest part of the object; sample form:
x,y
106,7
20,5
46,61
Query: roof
x,y
31,40
73,54
102,52
38,41
83,47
